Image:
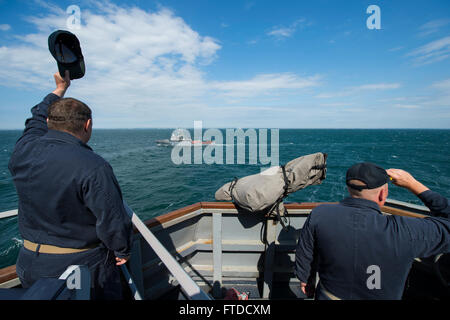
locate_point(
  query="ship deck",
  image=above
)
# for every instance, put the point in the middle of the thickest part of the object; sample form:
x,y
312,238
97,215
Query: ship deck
x,y
220,247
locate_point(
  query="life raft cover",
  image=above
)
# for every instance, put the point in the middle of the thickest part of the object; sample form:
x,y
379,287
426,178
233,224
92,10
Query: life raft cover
x,y
260,191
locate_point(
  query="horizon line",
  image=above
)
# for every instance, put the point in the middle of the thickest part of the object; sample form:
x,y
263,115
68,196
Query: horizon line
x,y
315,128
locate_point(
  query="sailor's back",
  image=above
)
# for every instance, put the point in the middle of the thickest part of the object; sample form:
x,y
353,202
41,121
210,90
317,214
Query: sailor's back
x,y
361,253
353,239
71,209
52,175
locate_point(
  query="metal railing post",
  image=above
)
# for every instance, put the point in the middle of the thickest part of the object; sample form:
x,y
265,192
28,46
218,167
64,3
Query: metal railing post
x,y
187,284
217,254
134,289
7,214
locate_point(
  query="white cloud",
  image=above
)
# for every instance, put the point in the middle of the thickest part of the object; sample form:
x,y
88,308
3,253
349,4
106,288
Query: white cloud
x,y
49,6
441,98
406,106
142,68
355,90
432,27
395,49
285,32
378,86
339,36
249,5
5,27
336,104
265,84
434,51
443,85
435,97
281,32
121,44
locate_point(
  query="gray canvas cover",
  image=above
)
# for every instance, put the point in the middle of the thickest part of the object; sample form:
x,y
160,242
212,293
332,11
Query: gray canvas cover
x,y
260,191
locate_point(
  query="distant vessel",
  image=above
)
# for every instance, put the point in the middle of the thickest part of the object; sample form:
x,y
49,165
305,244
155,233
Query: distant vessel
x,y
181,137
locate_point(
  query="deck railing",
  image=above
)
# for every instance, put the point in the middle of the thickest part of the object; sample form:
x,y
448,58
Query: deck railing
x,y
8,214
187,284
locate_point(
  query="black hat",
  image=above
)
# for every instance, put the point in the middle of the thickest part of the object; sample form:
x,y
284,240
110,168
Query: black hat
x,y
372,175
65,48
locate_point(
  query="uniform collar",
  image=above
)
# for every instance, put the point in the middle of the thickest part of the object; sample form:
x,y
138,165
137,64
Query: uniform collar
x,y
66,137
361,203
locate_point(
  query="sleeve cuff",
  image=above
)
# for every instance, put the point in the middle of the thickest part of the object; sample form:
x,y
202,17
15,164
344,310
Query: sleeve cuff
x,y
424,194
122,255
302,278
426,197
42,108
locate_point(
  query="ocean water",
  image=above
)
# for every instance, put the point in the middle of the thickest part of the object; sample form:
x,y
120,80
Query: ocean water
x,y
153,185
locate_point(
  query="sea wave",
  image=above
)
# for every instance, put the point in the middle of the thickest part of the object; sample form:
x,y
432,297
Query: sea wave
x,y
153,185
14,244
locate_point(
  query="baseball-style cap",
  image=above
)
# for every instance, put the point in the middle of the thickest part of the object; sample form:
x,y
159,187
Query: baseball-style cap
x,y
372,175
65,48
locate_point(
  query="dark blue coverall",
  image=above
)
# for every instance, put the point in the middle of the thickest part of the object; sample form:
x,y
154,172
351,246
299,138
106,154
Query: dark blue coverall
x,y
68,197
348,239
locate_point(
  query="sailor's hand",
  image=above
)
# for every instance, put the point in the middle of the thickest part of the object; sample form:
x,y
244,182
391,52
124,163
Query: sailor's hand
x,y
61,84
121,261
308,289
303,287
404,179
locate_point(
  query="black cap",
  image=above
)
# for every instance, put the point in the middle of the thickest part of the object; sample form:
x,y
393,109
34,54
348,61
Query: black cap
x,y
65,48
372,175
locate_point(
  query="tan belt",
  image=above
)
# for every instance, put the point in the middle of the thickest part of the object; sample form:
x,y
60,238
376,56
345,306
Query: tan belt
x,y
328,293
46,248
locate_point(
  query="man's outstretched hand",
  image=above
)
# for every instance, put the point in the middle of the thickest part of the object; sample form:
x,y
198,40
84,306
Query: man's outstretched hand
x,y
308,289
61,84
120,261
404,179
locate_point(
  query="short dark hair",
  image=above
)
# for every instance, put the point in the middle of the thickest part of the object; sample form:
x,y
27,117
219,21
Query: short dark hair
x,y
68,114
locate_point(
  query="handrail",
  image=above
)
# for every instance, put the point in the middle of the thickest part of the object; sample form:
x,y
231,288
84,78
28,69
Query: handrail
x,y
189,286
10,213
390,205
131,284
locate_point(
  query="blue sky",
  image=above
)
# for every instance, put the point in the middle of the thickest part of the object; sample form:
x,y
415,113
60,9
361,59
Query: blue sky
x,y
260,64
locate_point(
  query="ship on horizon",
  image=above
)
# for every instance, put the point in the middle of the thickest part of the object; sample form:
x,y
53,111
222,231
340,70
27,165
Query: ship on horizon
x,y
182,137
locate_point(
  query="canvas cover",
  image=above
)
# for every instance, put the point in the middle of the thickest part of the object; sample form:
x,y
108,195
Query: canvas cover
x,y
261,191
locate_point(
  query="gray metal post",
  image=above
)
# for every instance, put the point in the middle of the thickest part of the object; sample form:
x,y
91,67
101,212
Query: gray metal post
x,y
271,234
135,264
187,284
131,284
217,254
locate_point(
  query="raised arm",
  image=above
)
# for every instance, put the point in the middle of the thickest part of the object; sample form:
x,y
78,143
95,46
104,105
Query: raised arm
x,y
61,84
429,236
438,205
36,126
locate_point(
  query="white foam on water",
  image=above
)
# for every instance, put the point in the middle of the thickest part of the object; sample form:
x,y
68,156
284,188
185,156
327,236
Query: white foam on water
x,y
16,244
